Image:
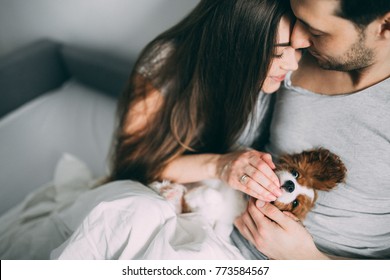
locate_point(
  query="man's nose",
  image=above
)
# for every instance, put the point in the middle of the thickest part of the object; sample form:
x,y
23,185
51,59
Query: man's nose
x,y
300,37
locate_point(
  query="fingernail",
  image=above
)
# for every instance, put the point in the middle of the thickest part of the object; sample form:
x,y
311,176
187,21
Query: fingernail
x,y
260,203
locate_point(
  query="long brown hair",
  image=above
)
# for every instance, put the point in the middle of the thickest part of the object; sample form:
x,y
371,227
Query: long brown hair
x,y
221,53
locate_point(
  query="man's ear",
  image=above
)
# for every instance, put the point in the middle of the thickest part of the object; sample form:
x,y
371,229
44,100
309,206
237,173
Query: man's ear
x,y
385,26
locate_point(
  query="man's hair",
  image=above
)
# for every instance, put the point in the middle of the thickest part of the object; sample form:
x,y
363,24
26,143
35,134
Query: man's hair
x,y
363,12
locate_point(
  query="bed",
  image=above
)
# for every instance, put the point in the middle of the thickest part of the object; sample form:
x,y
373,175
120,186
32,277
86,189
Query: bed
x,y
57,113
55,98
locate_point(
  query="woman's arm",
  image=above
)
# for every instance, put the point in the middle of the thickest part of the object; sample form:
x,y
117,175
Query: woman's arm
x,y
261,182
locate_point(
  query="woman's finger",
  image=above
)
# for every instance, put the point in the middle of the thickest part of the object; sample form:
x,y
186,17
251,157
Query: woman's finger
x,y
253,189
263,180
265,168
248,171
268,159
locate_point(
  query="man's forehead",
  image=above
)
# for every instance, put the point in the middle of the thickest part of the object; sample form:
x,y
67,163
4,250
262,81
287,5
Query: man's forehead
x,y
311,12
331,7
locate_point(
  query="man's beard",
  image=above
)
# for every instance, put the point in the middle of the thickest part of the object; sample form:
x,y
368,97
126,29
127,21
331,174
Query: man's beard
x,y
357,57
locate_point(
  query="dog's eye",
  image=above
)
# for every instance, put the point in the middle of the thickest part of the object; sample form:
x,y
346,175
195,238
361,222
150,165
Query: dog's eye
x,y
295,203
295,174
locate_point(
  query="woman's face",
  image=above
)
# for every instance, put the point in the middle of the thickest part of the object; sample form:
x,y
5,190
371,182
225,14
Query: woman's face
x,y
285,58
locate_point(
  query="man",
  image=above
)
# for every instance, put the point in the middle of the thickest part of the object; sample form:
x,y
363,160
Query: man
x,y
339,98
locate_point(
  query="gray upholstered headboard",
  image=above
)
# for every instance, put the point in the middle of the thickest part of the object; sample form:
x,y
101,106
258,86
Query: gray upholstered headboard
x,y
101,71
45,65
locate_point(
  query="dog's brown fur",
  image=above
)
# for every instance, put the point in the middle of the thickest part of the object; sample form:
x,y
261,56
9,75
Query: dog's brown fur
x,y
318,169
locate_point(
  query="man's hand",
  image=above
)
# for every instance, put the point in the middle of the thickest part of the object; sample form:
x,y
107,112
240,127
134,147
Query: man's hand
x,y
276,234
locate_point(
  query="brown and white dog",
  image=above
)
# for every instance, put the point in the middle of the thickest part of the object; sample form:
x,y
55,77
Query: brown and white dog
x,y
301,175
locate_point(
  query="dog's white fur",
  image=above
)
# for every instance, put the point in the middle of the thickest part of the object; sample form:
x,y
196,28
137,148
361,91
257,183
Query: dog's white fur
x,y
287,197
218,203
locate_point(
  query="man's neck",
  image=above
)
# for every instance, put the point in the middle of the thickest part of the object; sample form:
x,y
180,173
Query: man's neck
x,y
311,77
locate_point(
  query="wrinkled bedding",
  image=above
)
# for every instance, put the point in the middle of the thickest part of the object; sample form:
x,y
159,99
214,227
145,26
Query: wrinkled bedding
x,y
69,219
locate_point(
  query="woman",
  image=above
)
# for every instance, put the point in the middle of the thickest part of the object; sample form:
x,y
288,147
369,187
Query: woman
x,y
193,103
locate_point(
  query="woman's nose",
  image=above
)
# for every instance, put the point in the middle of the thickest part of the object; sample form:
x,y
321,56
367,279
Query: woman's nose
x,y
292,58
300,37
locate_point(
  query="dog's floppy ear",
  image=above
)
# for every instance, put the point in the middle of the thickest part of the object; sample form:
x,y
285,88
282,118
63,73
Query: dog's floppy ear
x,y
320,167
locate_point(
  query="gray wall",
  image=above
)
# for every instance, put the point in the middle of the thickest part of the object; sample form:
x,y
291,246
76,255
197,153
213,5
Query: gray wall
x,y
122,27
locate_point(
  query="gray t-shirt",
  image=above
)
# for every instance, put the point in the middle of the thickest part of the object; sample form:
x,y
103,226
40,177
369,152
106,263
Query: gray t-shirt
x,y
354,219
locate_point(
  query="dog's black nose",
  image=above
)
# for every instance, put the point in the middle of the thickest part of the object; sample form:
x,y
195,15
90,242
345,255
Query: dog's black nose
x,y
289,186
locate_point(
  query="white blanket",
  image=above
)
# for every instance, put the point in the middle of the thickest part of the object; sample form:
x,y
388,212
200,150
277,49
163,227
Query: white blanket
x,y
34,227
120,220
133,222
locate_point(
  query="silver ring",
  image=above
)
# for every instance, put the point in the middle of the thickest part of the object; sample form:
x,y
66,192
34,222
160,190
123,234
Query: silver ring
x,y
243,179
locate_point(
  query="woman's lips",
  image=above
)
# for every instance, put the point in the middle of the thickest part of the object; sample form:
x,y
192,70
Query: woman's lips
x,y
278,78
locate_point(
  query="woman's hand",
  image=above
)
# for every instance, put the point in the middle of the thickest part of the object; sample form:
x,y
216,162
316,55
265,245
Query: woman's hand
x,y
251,172
276,234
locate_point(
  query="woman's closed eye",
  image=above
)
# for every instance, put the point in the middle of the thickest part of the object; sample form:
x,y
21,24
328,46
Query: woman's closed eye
x,y
278,55
281,49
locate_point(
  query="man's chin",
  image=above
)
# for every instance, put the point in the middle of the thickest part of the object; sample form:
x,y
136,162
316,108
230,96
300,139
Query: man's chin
x,y
322,62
